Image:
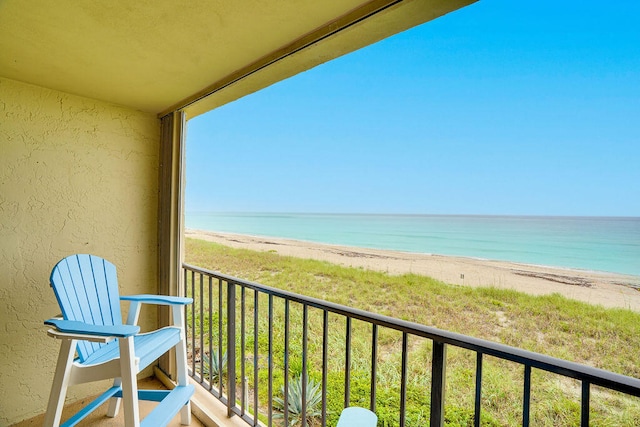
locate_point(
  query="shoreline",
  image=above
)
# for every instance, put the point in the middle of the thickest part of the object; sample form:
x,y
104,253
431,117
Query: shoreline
x,y
599,288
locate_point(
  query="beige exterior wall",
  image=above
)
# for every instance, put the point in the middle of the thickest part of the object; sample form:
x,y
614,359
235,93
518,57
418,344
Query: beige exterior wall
x,y
76,176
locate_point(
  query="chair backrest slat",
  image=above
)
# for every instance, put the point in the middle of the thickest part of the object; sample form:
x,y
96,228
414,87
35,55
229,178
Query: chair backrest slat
x,y
104,274
86,287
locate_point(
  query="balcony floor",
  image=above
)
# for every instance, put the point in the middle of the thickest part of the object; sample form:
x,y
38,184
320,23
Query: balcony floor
x,y
98,417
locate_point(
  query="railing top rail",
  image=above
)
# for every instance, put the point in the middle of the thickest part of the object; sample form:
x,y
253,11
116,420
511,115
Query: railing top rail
x,y
600,377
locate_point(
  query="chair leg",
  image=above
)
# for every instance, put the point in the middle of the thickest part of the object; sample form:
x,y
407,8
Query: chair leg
x,y
128,371
183,380
114,402
60,383
181,363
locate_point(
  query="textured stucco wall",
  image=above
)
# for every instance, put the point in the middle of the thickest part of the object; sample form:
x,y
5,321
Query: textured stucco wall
x,y
76,176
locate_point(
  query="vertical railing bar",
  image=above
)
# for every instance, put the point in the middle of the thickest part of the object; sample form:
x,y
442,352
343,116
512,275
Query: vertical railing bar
x,y
270,360
201,324
231,347
211,355
403,379
374,365
526,399
305,325
347,364
585,403
325,370
243,387
185,276
220,334
438,375
255,355
478,397
186,307
193,325
286,362
186,293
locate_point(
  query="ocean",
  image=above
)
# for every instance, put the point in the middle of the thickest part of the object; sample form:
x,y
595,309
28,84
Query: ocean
x,y
610,244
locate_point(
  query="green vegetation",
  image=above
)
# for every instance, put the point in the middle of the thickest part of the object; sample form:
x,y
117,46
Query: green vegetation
x,y
211,367
313,398
553,325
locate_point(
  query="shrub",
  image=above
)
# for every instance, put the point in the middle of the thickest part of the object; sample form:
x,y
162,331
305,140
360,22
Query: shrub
x,y
211,366
294,401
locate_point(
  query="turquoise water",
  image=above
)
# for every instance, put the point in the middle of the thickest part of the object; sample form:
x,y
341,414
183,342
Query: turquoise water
x,y
590,243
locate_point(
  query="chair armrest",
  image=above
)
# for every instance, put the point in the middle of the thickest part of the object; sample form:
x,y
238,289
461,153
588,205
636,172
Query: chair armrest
x,y
176,304
84,329
158,299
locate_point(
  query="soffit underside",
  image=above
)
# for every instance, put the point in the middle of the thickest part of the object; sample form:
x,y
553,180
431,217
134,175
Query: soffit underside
x,y
152,54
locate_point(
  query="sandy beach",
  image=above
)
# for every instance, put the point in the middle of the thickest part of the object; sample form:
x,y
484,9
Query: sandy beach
x,y
607,289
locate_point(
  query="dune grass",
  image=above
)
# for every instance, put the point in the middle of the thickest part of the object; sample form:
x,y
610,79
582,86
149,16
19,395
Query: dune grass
x,y
553,325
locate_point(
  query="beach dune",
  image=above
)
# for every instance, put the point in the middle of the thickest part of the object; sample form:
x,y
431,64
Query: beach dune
x,y
598,288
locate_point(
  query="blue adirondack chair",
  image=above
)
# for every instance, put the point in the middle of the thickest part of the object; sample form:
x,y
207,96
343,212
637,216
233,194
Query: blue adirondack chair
x,y
96,345
354,416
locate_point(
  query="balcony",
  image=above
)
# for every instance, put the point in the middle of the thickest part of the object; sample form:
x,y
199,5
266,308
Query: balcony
x,y
257,349
259,344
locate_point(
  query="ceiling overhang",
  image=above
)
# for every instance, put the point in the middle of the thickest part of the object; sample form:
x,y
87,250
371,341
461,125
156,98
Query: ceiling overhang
x,y
162,55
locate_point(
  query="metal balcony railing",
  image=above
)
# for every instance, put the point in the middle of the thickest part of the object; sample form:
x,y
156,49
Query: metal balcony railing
x,y
246,338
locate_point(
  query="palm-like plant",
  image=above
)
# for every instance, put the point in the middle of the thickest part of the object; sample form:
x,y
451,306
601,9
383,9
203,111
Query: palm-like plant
x,y
211,366
294,401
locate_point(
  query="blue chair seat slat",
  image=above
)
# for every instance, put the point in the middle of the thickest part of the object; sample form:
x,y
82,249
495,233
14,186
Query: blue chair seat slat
x,y
148,347
169,407
357,417
155,344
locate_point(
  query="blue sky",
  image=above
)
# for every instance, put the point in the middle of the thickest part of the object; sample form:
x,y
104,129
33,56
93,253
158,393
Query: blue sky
x,y
503,107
